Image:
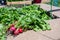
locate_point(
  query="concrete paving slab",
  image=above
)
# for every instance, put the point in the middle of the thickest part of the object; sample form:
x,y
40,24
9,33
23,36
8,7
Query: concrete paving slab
x,y
55,32
2,6
29,35
9,37
57,13
48,8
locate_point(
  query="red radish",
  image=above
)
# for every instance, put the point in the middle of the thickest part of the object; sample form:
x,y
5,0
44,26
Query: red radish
x,y
16,32
12,29
20,30
11,26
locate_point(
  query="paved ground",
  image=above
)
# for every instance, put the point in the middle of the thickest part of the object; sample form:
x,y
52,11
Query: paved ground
x,y
53,34
2,6
48,7
29,35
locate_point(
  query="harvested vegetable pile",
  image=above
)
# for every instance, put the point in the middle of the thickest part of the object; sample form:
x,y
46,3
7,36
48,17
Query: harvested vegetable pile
x,y
17,20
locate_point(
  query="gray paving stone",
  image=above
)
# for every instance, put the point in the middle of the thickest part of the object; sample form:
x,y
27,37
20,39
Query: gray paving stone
x,y
48,7
57,13
55,32
29,35
2,6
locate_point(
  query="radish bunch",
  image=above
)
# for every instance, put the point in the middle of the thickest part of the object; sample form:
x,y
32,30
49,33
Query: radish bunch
x,y
15,30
